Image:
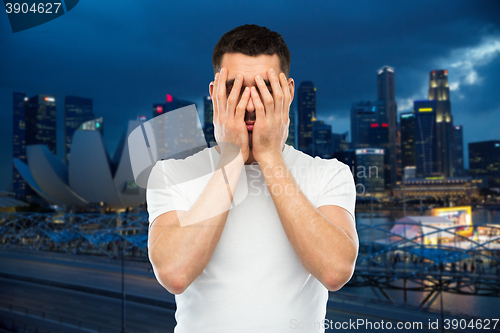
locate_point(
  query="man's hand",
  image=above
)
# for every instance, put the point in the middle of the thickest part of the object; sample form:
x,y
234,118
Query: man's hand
x,y
229,124
270,129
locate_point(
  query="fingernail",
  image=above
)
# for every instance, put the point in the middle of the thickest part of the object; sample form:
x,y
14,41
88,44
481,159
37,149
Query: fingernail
x,y
272,71
259,78
222,70
246,90
238,77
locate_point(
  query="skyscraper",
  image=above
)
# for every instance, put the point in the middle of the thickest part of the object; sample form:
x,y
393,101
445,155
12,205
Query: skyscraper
x,y
291,140
363,115
306,111
426,152
378,134
77,110
387,113
208,123
19,143
171,104
407,123
34,123
484,161
458,146
41,121
322,140
339,141
439,91
369,170
185,131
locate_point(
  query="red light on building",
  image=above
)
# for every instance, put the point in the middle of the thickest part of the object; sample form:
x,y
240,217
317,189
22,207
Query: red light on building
x,y
169,98
159,109
373,125
445,72
433,72
385,125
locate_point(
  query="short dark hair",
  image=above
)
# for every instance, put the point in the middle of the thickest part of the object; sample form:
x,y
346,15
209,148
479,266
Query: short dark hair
x,y
252,40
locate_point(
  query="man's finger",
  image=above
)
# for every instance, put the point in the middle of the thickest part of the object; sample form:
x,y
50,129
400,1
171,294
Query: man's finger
x,y
232,100
267,98
260,114
277,93
214,102
286,96
221,92
242,105
215,95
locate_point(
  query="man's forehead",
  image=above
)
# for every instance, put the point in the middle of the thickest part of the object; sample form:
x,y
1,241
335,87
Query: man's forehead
x,y
238,63
247,81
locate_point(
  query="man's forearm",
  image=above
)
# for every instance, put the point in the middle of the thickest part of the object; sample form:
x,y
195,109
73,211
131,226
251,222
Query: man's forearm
x,y
324,248
185,247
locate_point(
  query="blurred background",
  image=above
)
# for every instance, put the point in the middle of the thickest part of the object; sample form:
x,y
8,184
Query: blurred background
x,y
405,93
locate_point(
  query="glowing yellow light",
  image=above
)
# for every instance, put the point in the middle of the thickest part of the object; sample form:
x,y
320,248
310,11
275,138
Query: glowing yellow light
x,y
425,110
454,214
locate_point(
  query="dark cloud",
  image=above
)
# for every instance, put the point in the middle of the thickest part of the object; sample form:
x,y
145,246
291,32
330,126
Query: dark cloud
x,y
127,55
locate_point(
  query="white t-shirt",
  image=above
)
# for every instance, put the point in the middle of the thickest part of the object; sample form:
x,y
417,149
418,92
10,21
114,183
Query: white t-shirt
x,y
254,281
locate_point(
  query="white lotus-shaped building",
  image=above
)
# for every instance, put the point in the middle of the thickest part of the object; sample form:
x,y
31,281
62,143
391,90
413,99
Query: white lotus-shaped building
x,y
90,177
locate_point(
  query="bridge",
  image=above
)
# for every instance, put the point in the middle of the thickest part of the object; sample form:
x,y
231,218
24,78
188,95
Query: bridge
x,y
467,265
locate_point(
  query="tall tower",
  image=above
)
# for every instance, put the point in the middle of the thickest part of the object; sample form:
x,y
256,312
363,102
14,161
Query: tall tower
x,y
34,123
426,152
322,140
171,104
186,131
291,140
439,91
371,160
458,147
387,113
484,161
306,108
41,121
363,116
407,122
208,120
19,143
77,110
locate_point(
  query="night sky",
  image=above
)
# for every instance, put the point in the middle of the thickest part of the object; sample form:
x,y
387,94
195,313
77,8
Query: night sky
x,y
127,55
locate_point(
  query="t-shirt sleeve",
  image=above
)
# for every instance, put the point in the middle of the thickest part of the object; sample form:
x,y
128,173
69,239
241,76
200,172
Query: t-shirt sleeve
x,y
337,186
162,194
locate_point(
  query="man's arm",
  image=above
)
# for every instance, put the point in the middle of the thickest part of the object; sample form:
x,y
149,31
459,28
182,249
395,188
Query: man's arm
x,y
181,243
179,252
325,239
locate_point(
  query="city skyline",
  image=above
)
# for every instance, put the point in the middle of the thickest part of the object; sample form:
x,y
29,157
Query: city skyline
x,y
124,80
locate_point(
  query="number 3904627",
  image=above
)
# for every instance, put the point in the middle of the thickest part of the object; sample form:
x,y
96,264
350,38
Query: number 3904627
x,y
41,8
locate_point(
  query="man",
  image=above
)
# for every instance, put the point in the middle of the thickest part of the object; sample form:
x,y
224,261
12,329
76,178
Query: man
x,y
267,263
